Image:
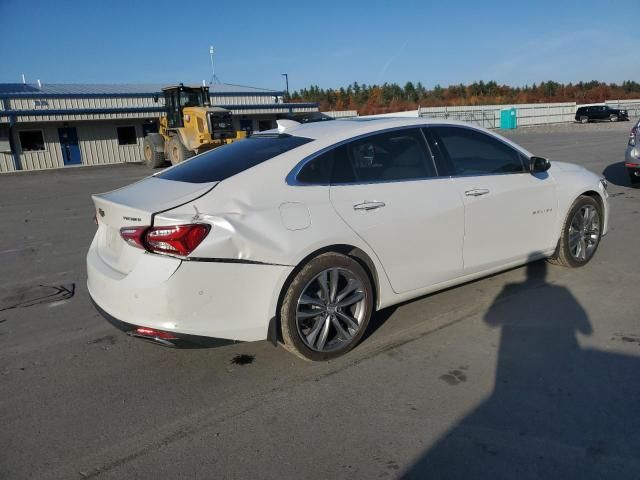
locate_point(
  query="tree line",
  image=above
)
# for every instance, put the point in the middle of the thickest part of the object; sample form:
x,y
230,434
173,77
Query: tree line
x,y
391,97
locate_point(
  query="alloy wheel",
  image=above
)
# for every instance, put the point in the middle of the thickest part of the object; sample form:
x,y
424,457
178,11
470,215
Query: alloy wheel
x,y
584,233
331,310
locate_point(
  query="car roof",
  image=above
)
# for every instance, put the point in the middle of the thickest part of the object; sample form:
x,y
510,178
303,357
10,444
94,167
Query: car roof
x,y
346,128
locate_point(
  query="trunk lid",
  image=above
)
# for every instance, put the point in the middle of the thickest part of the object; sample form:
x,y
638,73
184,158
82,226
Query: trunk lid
x,y
134,206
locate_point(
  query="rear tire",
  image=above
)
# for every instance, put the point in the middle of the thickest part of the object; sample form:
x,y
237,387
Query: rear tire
x,y
152,157
326,308
581,234
633,178
178,153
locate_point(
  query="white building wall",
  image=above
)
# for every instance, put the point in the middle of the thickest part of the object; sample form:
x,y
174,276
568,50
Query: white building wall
x,y
59,103
6,162
98,143
50,157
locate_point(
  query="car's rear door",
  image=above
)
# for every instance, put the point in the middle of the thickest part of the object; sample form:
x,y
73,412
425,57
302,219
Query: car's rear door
x,y
386,189
509,213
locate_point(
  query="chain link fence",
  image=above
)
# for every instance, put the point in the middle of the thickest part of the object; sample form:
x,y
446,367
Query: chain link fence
x,y
482,118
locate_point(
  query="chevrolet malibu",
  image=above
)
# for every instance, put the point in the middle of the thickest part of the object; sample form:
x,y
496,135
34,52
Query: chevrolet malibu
x,y
299,234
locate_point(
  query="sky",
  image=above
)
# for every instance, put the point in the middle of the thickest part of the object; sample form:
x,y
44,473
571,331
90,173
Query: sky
x,y
327,43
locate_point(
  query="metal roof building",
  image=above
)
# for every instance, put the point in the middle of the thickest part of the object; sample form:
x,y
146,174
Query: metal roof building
x,y
55,125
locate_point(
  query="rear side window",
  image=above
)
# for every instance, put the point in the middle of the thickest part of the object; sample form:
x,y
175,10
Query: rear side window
x,y
475,153
228,160
390,156
318,171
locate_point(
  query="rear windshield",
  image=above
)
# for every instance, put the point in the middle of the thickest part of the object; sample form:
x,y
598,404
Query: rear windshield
x,y
228,160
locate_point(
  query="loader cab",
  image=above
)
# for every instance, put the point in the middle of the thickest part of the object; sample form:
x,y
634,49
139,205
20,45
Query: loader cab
x,y
178,97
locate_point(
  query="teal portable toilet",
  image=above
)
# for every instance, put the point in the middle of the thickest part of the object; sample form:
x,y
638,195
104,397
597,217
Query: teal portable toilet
x,y
508,119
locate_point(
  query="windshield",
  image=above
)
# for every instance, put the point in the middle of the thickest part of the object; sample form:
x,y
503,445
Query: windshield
x,y
228,160
190,99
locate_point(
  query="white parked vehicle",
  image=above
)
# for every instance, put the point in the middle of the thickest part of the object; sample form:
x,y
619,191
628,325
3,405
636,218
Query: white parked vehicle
x,y
301,233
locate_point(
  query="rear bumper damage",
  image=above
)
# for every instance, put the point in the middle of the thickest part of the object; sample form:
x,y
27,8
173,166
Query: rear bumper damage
x,y
179,340
189,299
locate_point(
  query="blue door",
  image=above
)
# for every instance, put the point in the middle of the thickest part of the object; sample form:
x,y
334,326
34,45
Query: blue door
x,y
69,144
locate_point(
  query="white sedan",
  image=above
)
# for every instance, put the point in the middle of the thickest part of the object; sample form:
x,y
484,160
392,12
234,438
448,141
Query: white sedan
x,y
299,234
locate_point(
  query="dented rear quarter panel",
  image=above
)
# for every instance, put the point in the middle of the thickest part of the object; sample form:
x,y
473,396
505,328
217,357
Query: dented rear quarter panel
x,y
248,223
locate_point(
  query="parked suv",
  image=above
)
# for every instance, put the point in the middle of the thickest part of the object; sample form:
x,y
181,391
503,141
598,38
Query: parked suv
x,y
632,155
600,112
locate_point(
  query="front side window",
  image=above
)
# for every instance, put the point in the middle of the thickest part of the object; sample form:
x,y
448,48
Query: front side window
x,y
470,152
31,140
228,160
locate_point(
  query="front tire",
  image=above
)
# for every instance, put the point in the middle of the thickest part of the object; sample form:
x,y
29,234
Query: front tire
x,y
152,157
178,153
581,233
633,178
613,118
326,308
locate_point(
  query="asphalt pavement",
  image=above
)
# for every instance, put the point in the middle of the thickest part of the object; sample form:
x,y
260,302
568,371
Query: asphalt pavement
x,y
531,373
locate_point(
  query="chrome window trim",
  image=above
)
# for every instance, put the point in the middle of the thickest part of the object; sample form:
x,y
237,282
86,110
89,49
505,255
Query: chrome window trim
x,y
292,180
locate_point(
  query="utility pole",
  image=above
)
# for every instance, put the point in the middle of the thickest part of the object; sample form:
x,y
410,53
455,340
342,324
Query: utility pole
x,y
213,68
286,79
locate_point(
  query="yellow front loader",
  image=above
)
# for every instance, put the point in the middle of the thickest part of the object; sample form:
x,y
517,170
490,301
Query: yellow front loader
x,y
191,126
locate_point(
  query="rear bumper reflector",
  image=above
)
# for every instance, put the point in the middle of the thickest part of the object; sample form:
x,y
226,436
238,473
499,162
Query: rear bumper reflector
x,y
165,338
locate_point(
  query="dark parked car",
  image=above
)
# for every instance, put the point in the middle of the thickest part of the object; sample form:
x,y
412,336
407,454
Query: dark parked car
x,y
600,112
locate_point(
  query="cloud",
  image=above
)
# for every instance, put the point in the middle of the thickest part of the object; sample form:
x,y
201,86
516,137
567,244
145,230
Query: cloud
x,y
391,60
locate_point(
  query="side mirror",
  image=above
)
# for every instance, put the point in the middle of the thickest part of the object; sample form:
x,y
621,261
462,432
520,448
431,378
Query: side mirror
x,y
155,98
539,164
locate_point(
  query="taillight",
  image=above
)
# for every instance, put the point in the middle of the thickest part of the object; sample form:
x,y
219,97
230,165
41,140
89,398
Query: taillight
x,y
174,239
134,236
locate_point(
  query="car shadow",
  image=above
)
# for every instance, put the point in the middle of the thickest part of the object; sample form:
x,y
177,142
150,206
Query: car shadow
x,y
616,173
557,410
377,320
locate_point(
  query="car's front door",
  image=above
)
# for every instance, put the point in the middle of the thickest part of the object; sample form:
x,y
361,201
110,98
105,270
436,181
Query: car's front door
x,y
386,189
509,213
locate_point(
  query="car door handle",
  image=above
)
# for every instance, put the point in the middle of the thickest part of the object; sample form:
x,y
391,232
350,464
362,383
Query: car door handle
x,y
366,205
476,192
